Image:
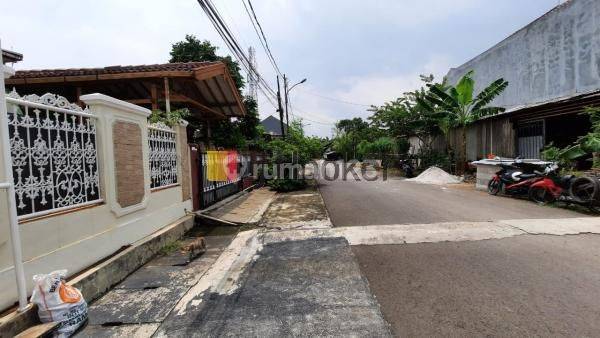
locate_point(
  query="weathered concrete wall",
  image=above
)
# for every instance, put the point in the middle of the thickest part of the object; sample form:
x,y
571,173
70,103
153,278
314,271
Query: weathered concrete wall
x,y
556,56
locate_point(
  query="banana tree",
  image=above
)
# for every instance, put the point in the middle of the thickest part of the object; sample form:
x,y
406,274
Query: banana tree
x,y
462,107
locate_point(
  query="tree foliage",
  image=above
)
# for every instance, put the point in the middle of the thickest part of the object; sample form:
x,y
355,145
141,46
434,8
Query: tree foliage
x,y
585,145
407,116
240,133
171,118
191,49
296,148
459,106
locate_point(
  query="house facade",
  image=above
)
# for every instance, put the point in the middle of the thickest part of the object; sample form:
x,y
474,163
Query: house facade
x,y
90,173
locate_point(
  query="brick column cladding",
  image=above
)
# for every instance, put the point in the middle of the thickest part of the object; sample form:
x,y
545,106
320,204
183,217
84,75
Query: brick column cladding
x,y
129,163
184,159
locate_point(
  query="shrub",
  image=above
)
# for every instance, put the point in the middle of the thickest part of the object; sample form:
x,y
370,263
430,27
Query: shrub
x,y
286,184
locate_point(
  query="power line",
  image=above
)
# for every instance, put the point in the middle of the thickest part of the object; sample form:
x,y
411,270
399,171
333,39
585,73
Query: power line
x,y
263,35
334,99
264,43
309,119
231,43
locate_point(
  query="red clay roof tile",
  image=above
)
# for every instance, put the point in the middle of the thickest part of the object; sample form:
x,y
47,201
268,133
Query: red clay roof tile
x,y
178,66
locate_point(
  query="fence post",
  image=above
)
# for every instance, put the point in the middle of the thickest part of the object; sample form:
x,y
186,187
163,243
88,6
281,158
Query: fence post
x,y
15,233
124,152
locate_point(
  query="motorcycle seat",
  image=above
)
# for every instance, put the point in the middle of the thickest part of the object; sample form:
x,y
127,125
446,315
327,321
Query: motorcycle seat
x,y
527,176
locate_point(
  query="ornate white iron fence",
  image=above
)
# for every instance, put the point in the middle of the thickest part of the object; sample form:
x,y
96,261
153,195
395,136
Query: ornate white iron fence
x,y
53,151
162,142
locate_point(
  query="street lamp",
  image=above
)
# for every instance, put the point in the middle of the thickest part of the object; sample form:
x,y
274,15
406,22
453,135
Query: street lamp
x,y
287,91
292,87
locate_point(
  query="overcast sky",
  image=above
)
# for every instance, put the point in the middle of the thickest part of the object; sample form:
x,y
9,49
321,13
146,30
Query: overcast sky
x,y
364,52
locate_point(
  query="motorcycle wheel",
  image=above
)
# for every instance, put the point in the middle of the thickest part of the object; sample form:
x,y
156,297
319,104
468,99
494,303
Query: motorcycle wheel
x,y
494,187
584,190
540,195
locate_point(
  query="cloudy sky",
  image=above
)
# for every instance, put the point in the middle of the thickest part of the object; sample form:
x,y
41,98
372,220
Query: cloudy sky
x,y
361,52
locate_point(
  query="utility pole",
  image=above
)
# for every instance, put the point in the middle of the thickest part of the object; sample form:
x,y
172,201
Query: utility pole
x,y
280,108
285,90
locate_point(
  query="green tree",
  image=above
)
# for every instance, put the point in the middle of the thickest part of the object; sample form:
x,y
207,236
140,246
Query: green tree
x,y
241,133
462,108
193,50
349,134
238,134
406,117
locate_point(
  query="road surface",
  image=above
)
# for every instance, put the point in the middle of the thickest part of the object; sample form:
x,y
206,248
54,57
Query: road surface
x,y
395,201
526,285
523,286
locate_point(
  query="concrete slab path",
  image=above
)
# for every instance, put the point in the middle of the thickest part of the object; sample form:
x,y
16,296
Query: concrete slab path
x,y
137,305
246,209
301,288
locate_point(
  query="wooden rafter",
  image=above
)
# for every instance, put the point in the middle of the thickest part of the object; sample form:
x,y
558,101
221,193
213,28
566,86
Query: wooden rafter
x,y
214,79
178,97
210,92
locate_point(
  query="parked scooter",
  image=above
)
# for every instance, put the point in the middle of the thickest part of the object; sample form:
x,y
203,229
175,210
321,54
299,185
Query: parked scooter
x,y
512,180
407,167
569,189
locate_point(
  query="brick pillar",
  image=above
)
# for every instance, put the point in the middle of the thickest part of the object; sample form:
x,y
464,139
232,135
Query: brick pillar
x,y
129,164
124,152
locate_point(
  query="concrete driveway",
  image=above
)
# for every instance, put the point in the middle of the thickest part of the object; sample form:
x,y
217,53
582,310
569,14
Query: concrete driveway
x,y
395,201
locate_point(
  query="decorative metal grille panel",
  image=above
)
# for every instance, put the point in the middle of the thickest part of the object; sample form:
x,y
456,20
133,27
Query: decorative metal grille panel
x,y
162,141
53,150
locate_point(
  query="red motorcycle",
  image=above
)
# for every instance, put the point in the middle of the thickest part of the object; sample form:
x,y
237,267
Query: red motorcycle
x,y
551,188
512,180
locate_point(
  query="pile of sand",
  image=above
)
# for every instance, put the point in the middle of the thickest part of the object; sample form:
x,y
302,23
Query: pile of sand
x,y
435,175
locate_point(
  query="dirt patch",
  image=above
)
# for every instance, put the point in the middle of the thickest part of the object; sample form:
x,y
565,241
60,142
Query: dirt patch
x,y
298,209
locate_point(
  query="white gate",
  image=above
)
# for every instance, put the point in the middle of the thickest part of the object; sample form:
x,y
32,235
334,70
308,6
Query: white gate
x,y
53,150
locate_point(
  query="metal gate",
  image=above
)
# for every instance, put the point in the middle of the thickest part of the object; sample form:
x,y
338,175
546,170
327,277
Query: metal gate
x,y
530,139
213,191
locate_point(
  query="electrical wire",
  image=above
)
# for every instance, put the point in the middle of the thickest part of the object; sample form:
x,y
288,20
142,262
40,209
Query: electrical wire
x,y
231,43
333,99
264,43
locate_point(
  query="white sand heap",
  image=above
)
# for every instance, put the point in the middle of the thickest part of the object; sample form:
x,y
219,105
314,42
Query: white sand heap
x,y
435,175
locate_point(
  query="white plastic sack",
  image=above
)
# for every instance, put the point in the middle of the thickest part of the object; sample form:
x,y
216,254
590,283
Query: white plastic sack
x,y
59,302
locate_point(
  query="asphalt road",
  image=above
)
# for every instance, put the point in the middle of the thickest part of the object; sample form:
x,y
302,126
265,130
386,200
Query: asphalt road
x,y
352,203
523,286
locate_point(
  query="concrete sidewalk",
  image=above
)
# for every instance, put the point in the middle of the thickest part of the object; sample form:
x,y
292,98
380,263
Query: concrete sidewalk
x,y
301,288
136,306
247,209
304,209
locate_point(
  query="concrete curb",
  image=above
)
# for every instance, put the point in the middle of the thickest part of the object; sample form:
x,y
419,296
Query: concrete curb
x,y
99,279
215,221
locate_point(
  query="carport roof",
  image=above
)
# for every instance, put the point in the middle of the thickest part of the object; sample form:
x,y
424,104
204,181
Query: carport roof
x,y
206,88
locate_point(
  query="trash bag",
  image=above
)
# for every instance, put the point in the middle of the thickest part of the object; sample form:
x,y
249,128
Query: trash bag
x,y
59,302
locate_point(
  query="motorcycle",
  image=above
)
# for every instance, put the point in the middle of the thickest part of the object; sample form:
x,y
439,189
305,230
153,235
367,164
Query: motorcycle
x,y
512,180
407,167
552,187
